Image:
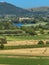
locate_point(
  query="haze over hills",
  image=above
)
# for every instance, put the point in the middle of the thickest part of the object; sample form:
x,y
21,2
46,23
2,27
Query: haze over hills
x,y
44,11
44,8
9,9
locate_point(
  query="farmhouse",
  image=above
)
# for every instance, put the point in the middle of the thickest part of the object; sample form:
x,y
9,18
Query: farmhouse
x,y
25,18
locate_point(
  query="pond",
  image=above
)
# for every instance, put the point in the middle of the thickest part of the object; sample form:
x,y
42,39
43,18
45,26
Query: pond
x,y
18,24
21,24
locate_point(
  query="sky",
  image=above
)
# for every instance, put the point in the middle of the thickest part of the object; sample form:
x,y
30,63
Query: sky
x,y
28,3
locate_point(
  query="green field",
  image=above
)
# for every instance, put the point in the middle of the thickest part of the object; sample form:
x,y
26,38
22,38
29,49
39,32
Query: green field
x,y
24,61
41,22
25,46
36,37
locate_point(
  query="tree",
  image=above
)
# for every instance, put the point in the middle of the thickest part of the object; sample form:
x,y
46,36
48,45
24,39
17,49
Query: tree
x,y
32,32
2,42
42,31
47,42
2,46
41,42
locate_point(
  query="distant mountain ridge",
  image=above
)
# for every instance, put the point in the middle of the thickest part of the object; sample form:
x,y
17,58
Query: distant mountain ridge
x,y
9,9
44,11
39,9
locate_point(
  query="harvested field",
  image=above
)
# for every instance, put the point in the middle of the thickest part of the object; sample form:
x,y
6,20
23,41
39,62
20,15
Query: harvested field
x,y
31,52
26,42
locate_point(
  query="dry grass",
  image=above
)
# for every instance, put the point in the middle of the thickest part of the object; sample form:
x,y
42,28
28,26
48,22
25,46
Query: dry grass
x,y
26,42
4,64
31,52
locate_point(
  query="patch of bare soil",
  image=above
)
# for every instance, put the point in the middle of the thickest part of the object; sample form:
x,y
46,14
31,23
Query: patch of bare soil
x,y
4,64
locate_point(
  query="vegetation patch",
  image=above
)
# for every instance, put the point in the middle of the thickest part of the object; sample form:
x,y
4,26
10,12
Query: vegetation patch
x,y
24,61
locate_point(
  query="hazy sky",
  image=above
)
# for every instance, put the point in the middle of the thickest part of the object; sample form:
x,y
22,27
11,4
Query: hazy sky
x,y
28,3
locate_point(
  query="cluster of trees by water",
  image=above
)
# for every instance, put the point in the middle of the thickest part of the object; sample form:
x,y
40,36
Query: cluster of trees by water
x,y
7,25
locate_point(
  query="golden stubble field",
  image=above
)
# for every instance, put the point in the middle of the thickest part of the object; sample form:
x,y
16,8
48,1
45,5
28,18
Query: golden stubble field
x,y
24,42
31,52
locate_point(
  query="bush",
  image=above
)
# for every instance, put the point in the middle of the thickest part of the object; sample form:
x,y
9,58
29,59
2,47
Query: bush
x,y
41,43
2,46
48,32
42,32
2,42
47,42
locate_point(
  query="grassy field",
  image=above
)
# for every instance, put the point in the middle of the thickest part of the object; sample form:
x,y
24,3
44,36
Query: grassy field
x,y
25,46
36,37
25,61
41,22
